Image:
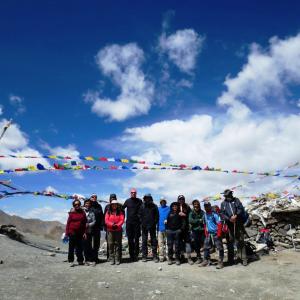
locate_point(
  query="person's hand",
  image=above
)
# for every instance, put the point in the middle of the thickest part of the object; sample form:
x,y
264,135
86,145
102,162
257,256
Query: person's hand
x,y
84,236
165,221
233,218
114,226
181,214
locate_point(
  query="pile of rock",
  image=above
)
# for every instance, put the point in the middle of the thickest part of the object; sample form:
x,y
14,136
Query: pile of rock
x,y
281,215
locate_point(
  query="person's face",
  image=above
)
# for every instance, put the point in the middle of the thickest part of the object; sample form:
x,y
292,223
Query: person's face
x,y
114,206
94,198
175,208
207,209
163,203
196,206
133,194
181,201
88,205
77,205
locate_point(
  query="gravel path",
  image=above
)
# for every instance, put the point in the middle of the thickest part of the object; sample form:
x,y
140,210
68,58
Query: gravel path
x,y
30,273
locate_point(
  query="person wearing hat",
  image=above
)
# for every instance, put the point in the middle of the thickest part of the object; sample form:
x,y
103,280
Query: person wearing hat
x,y
232,211
163,212
114,219
133,224
148,215
196,222
174,227
185,244
96,231
213,236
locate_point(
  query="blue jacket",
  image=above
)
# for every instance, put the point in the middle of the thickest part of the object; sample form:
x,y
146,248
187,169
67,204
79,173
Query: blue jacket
x,y
163,215
211,221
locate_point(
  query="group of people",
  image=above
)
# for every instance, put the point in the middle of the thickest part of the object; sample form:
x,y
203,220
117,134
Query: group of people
x,y
175,231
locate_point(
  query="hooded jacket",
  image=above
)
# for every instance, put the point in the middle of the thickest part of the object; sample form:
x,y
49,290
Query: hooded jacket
x,y
90,219
174,221
230,207
76,224
148,214
98,211
163,212
112,218
196,220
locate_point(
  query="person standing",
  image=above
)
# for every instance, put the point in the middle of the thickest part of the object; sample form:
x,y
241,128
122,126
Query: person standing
x,y
114,219
96,231
232,211
213,236
184,211
87,242
75,231
196,222
163,212
174,227
133,224
148,215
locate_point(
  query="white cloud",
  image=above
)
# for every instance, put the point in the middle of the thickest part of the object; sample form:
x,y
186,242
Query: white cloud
x,y
123,65
298,103
251,144
47,213
1,110
50,189
18,103
266,76
182,48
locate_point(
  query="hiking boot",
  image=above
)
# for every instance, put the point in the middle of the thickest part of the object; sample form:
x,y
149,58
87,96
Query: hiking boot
x,y
220,265
144,259
93,264
170,261
112,262
161,259
71,264
118,262
80,263
190,261
155,259
205,263
245,263
177,262
199,260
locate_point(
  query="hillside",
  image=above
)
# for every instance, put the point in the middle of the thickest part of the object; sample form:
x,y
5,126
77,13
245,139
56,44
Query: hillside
x,y
48,229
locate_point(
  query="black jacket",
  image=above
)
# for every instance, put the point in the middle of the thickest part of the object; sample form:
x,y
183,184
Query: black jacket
x,y
148,215
230,207
133,206
98,212
175,222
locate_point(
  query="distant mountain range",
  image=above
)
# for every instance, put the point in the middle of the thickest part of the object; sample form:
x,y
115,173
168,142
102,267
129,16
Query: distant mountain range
x,y
48,229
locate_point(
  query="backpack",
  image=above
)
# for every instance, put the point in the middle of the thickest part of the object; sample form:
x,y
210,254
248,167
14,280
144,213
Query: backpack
x,y
250,249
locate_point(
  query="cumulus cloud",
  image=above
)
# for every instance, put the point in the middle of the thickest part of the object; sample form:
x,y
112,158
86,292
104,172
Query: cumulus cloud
x,y
266,76
182,48
123,65
47,213
50,189
18,103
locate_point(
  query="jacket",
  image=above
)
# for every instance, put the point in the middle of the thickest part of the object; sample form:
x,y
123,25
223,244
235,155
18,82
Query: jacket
x,y
212,224
163,213
230,207
186,210
148,215
114,218
76,224
98,211
133,206
90,220
196,220
175,222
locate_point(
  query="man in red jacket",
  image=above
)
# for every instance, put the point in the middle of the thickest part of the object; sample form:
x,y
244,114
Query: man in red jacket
x,y
75,231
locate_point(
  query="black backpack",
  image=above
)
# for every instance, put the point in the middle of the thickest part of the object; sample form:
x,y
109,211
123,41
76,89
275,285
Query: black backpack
x,y
250,249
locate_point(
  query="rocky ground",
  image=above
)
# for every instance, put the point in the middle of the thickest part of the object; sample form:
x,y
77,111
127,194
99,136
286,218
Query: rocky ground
x,y
31,273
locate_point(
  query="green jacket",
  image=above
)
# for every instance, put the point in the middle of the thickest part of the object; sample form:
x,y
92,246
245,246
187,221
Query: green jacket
x,y
196,220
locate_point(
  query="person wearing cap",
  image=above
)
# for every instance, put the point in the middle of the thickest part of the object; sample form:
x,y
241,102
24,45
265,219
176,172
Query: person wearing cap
x,y
163,212
232,211
133,224
184,211
213,236
114,219
148,215
96,231
174,227
196,222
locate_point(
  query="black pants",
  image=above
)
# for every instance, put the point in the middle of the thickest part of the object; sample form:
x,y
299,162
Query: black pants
x,y
236,236
153,241
197,241
75,243
133,232
174,238
95,242
87,248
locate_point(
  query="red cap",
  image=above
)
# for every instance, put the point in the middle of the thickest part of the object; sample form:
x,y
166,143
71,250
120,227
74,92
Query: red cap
x,y
133,190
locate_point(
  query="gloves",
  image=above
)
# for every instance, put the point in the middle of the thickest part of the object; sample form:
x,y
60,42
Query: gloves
x,y
114,226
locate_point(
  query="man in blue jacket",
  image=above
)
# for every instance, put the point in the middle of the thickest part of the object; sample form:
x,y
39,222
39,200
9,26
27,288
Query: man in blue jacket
x,y
162,235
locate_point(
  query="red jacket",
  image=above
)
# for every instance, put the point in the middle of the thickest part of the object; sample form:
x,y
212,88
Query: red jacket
x,y
76,224
113,218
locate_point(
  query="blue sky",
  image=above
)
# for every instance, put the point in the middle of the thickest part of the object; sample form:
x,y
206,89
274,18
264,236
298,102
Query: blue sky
x,y
52,54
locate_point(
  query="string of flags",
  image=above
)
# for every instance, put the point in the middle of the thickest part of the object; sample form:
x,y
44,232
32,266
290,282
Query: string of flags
x,y
6,126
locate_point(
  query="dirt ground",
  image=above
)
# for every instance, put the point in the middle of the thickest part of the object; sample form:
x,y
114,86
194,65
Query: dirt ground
x,y
30,273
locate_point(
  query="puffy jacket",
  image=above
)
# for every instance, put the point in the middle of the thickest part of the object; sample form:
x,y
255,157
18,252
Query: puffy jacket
x,y
76,224
148,215
163,212
175,222
196,220
91,220
114,218
98,211
133,206
230,207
